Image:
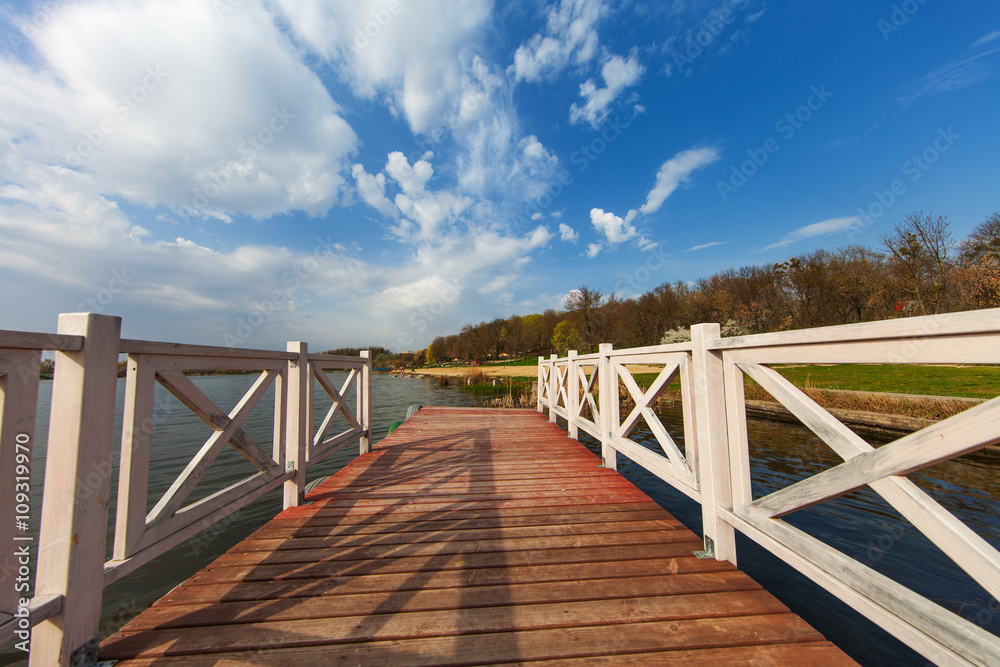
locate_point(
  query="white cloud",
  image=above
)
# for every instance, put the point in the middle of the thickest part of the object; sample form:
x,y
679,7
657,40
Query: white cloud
x,y
570,37
372,191
703,246
616,230
413,56
986,39
568,234
411,178
232,123
822,228
957,74
498,283
593,249
618,74
674,172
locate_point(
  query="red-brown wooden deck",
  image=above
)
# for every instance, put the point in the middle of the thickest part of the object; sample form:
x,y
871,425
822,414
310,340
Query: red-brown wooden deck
x,y
471,536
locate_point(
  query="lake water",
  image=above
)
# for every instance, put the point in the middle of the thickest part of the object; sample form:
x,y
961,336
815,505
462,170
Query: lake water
x,y
860,524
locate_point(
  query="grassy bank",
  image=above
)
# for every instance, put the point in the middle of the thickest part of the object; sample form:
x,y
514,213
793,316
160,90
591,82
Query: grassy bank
x,y
966,381
957,381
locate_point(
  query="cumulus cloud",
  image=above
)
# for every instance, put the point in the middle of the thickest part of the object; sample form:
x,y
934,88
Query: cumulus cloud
x,y
412,56
615,229
674,172
570,37
568,234
618,74
230,123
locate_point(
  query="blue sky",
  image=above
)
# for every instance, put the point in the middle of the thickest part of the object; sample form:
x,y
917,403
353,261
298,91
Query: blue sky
x,y
246,172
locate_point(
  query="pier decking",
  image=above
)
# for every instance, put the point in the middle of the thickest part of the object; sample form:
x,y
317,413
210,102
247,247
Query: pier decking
x,y
470,536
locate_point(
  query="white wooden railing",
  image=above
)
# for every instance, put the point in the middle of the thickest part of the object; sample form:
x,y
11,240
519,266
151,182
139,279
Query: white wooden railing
x,y
714,466
64,612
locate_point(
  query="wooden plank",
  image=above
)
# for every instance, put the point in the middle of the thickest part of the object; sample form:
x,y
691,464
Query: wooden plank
x,y
906,329
487,648
292,536
706,573
644,591
27,340
129,346
506,545
426,550
316,628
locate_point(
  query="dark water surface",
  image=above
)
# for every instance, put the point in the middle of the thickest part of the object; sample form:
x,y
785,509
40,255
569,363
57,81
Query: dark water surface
x,y
860,524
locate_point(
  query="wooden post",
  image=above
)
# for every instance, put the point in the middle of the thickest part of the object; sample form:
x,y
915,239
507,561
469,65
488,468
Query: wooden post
x,y
541,368
572,395
365,402
133,466
712,441
74,523
553,388
608,383
18,401
297,423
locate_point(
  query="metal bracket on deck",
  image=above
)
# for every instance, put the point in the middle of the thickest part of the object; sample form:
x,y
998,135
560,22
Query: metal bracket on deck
x,y
86,655
708,551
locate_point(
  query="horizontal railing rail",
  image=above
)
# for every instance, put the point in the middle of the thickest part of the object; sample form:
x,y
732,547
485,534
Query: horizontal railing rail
x,y
714,467
63,614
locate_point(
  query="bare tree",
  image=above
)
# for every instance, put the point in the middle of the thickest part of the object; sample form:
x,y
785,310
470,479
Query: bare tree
x,y
918,256
983,242
585,303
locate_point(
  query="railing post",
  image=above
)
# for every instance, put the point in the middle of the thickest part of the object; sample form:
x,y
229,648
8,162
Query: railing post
x,y
553,388
608,382
541,369
297,423
19,393
712,436
365,402
74,525
572,395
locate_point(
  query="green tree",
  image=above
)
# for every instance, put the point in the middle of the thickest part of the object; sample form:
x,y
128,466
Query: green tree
x,y
566,336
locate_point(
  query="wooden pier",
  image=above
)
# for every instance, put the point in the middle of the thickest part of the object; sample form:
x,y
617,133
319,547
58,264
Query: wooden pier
x,y
470,536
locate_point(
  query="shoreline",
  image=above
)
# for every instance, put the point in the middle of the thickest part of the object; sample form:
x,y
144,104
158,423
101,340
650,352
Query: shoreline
x,y
878,424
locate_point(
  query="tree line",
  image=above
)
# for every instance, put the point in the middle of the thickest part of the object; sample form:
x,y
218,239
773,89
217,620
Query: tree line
x,y
918,269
